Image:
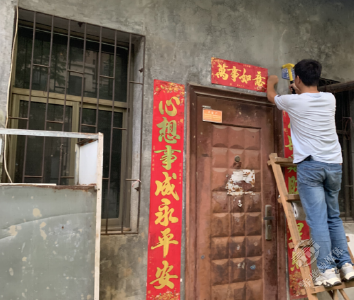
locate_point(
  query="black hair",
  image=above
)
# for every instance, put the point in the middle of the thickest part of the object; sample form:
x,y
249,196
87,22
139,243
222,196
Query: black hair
x,y
309,71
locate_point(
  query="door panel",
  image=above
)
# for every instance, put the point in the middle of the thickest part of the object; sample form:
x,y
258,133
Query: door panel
x,y
232,258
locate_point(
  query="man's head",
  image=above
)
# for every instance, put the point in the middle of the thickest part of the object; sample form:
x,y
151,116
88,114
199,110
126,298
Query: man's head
x,y
307,72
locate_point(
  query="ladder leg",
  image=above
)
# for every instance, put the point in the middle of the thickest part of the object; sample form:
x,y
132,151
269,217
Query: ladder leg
x,y
344,295
351,254
335,295
289,212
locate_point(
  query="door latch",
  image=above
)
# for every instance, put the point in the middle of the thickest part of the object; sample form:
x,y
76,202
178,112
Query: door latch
x,y
268,218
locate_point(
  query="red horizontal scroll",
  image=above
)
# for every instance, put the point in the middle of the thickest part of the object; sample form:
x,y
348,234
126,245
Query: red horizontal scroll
x,y
230,73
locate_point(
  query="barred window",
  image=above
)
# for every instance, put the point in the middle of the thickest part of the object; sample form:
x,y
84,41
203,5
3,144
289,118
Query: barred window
x,y
74,76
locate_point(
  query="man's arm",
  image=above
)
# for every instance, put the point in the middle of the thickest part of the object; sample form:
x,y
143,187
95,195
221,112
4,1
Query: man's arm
x,y
271,93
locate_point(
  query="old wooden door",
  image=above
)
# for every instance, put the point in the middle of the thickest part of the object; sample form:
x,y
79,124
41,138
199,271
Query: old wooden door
x,y
228,256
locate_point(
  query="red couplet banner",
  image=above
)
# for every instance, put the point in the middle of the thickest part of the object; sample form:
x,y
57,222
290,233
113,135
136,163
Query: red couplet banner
x,y
296,285
230,73
165,221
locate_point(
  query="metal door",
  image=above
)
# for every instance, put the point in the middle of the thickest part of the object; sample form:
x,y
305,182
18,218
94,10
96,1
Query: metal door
x,y
235,255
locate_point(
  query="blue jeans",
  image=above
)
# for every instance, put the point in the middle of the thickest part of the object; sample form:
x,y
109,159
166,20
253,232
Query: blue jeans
x,y
319,184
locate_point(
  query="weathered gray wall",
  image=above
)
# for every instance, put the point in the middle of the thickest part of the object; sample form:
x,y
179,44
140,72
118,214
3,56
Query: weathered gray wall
x,y
7,15
181,37
47,242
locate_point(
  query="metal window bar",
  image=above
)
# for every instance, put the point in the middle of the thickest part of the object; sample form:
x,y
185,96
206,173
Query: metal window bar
x,y
48,88
65,92
126,130
29,98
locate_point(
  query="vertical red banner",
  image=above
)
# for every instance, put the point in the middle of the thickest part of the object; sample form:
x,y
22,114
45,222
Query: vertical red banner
x,y
296,285
165,221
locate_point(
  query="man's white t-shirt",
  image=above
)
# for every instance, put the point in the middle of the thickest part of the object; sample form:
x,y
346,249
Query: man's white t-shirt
x,y
313,128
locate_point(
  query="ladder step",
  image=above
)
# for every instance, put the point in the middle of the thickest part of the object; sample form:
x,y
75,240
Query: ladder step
x,y
284,162
305,243
319,289
293,197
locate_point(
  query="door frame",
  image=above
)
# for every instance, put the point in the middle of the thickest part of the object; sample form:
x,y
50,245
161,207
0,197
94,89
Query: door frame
x,y
193,91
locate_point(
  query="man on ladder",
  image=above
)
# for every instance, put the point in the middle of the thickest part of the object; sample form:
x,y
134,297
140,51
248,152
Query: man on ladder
x,y
318,156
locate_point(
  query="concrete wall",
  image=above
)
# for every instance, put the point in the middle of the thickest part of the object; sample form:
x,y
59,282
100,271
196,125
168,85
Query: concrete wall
x,y
47,242
181,37
7,14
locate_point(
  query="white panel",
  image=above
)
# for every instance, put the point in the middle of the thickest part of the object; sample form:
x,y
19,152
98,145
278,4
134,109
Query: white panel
x,y
88,163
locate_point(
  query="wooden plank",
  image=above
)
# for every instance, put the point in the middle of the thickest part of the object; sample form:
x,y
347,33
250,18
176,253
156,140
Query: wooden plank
x,y
344,295
319,289
279,178
284,162
303,243
99,175
337,87
293,197
350,251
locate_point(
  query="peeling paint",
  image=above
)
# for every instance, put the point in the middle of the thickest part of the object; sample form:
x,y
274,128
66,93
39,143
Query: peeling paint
x,y
24,258
241,182
43,234
13,229
37,213
11,271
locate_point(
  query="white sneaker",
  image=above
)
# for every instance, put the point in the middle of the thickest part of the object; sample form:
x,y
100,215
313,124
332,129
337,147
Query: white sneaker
x,y
346,272
328,278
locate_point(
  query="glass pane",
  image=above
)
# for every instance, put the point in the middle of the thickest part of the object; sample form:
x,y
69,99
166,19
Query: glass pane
x,y
121,75
58,72
23,61
39,78
35,144
89,118
110,199
41,47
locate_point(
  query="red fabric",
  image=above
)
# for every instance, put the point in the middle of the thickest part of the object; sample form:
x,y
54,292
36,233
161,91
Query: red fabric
x,y
229,73
165,221
295,278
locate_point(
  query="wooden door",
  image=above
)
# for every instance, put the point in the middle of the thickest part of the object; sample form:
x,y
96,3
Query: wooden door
x,y
228,256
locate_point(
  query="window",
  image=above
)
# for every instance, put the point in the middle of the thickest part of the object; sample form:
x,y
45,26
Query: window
x,y
344,131
73,76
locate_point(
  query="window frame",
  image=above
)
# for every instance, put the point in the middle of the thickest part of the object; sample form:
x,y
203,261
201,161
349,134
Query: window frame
x,y
19,94
135,95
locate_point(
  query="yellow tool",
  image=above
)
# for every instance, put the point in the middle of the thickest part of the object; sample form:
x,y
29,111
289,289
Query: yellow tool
x,y
287,72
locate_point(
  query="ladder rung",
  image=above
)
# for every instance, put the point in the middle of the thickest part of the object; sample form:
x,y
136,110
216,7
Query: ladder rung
x,y
305,243
284,162
293,197
319,289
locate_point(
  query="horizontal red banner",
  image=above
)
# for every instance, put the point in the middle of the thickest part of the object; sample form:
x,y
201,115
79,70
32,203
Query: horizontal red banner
x,y
230,73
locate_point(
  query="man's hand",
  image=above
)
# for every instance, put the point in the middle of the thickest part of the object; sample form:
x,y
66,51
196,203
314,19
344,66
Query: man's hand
x,y
293,86
273,80
271,93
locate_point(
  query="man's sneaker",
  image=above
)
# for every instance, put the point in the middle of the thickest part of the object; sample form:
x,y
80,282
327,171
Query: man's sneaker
x,y
346,272
328,278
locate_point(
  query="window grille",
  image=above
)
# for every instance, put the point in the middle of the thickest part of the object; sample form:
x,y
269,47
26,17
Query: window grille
x,y
75,76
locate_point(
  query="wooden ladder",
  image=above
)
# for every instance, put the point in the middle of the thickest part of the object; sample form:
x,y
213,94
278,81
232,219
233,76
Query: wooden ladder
x,y
285,199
